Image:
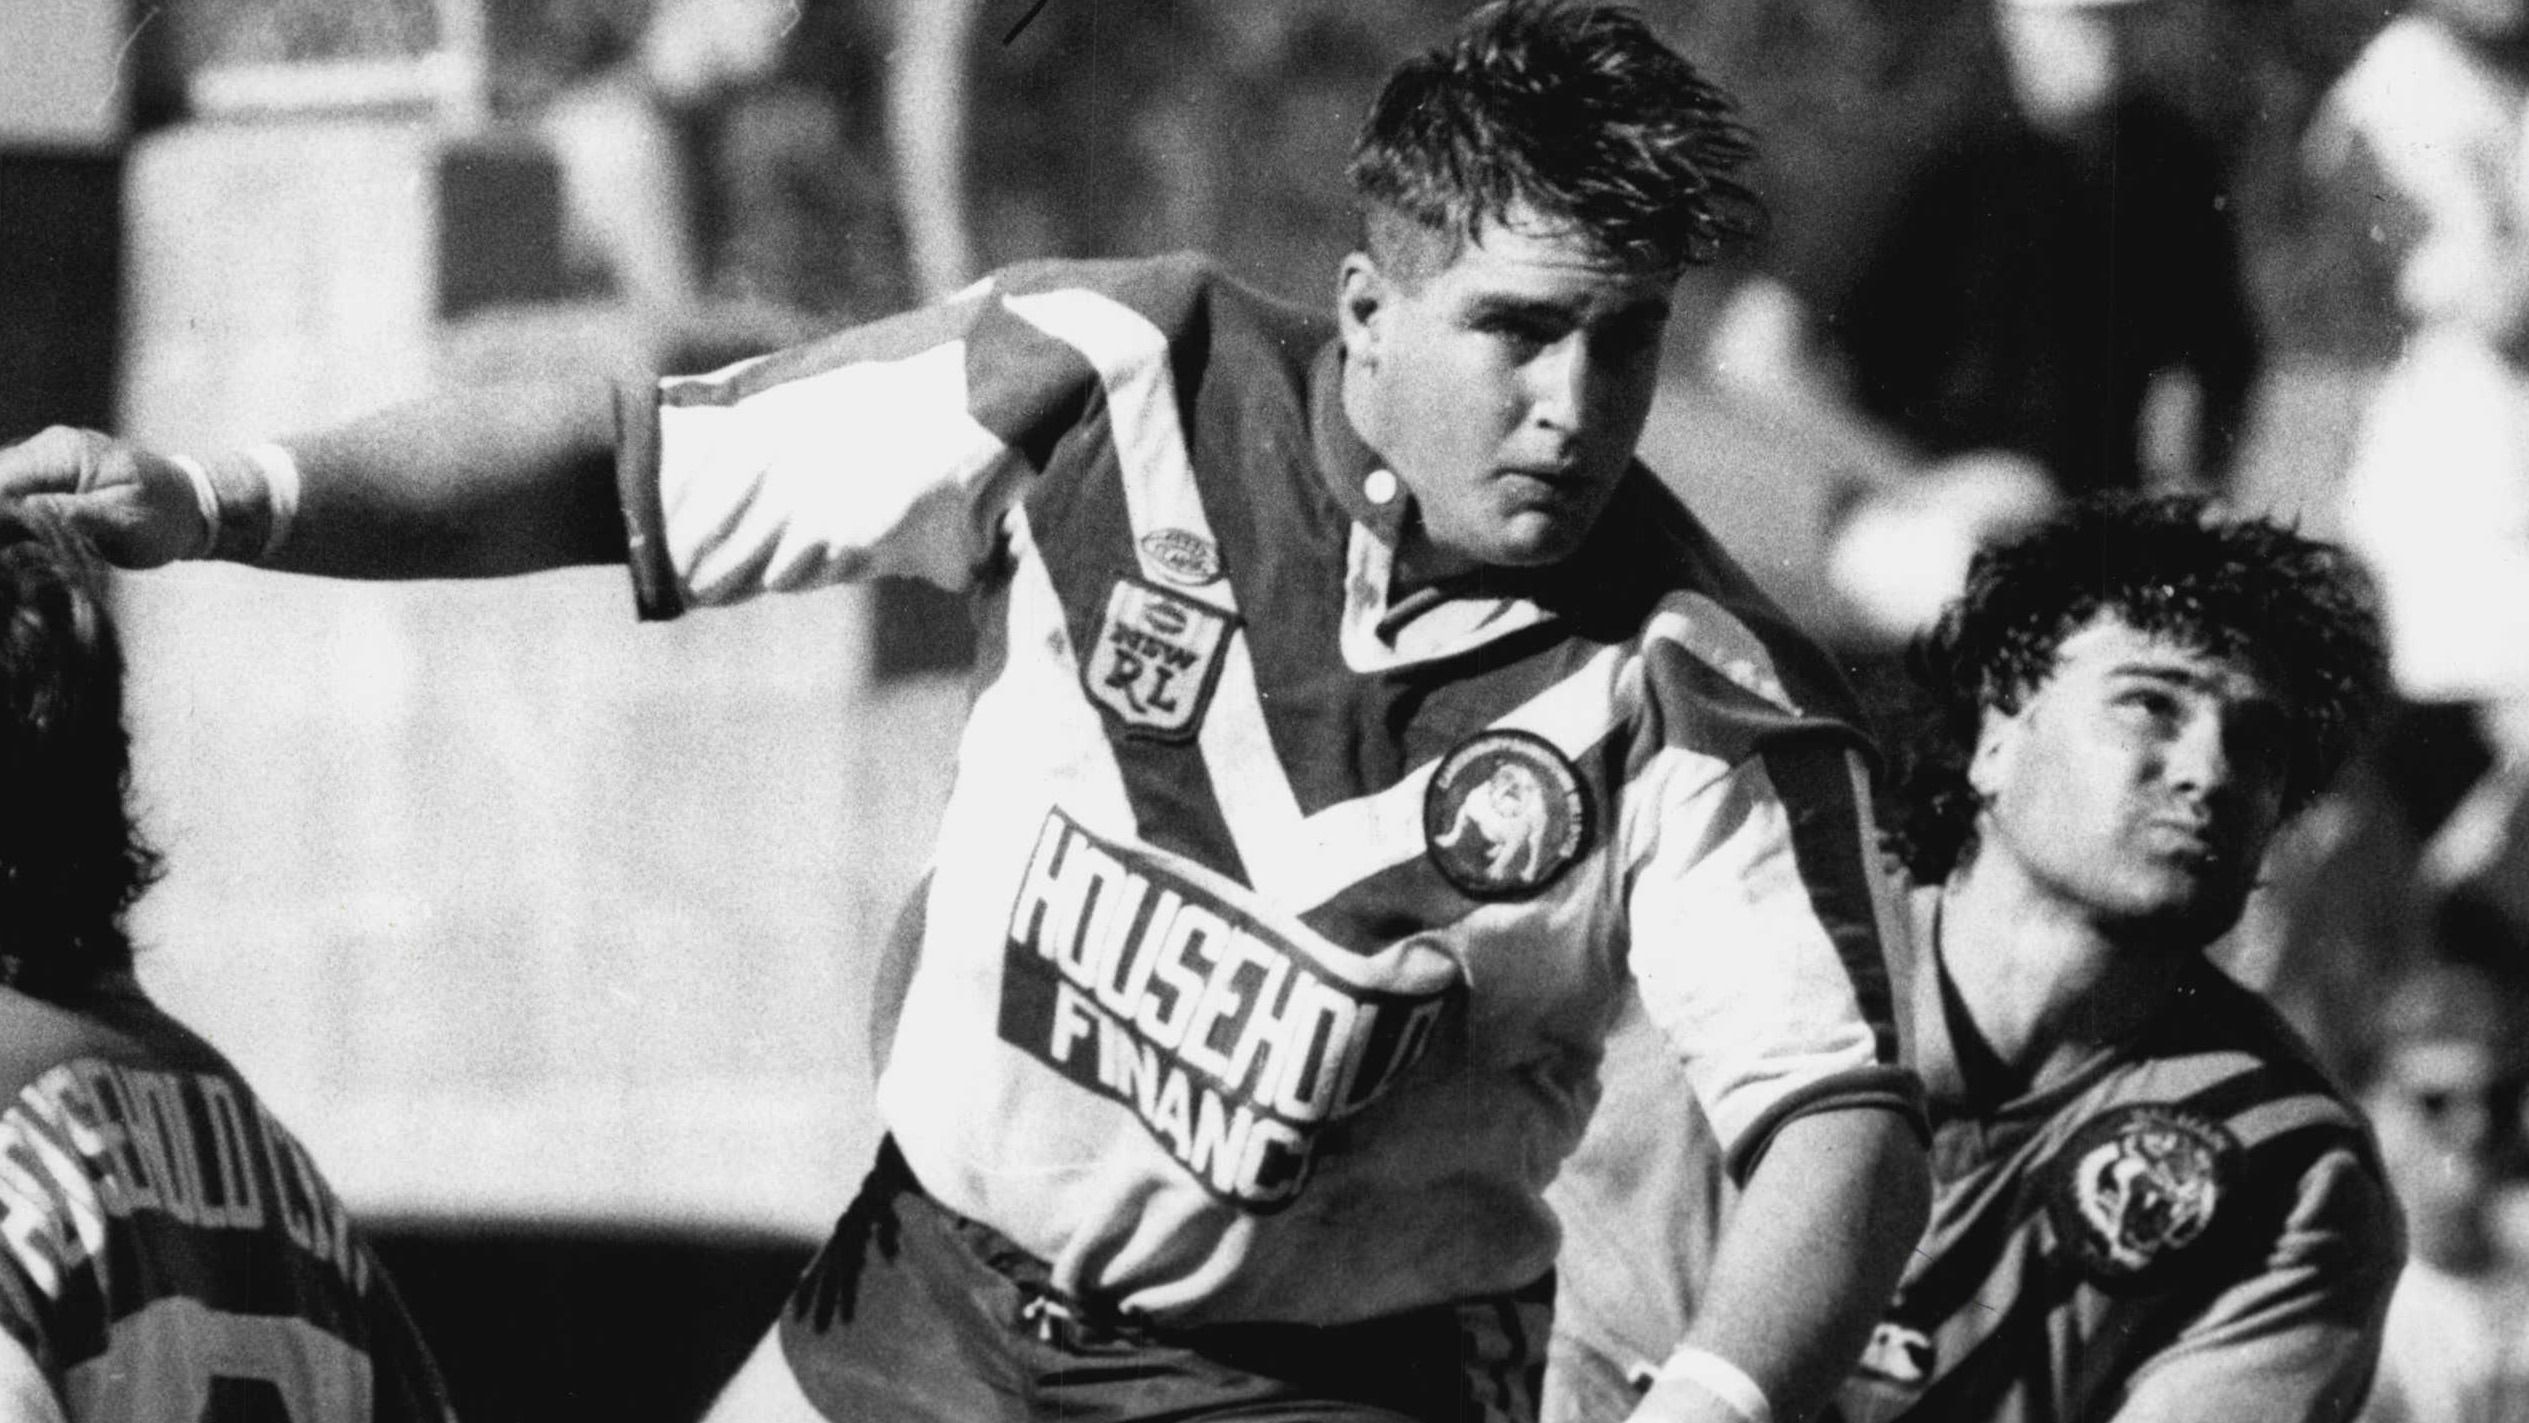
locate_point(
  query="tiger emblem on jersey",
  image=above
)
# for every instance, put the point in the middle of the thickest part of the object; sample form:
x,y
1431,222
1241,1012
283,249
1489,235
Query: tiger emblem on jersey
x,y
2137,1187
1505,814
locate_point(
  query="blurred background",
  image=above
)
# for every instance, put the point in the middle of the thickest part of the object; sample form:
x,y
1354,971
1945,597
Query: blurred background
x,y
551,933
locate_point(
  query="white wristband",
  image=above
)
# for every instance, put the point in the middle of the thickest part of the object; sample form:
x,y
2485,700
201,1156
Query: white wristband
x,y
204,496
281,478
1720,1378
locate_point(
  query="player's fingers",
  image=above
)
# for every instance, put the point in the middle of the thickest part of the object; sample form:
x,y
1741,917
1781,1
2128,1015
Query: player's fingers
x,y
103,521
138,509
57,460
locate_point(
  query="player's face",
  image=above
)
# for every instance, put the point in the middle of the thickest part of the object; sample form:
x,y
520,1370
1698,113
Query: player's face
x,y
2449,1120
2137,786
2063,61
1506,387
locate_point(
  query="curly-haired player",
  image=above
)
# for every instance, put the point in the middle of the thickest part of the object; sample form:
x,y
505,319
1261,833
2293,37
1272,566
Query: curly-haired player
x,y
1251,1009
2149,1203
166,1249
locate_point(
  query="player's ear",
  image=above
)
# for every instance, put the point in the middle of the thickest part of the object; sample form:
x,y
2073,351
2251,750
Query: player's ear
x,y
1363,294
1996,739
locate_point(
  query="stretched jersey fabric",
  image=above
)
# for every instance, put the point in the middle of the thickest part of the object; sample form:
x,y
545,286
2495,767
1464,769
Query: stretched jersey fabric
x,y
1276,921
2193,1225
167,1250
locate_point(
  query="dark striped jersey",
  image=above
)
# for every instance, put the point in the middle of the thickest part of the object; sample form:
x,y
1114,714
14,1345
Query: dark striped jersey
x,y
167,1250
2192,1225
1277,915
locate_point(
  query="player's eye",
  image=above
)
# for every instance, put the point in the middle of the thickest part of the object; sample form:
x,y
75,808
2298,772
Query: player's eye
x,y
1631,338
1520,330
2153,705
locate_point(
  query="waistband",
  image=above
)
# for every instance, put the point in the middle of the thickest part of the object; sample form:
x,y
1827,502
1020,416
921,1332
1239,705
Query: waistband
x,y
1064,1319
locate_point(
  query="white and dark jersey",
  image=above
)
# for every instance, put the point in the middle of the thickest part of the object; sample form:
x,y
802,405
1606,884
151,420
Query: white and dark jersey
x,y
167,1250
1274,928
2192,1226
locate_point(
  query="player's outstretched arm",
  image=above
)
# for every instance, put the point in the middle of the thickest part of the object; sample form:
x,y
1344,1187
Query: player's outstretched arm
x,y
473,483
1809,1262
25,1395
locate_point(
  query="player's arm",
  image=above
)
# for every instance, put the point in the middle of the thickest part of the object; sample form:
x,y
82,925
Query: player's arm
x,y
471,483
1808,1263
26,1396
1758,909
2298,1341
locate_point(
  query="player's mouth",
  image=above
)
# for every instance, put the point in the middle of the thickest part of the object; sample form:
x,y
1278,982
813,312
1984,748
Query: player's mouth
x,y
2191,840
1562,477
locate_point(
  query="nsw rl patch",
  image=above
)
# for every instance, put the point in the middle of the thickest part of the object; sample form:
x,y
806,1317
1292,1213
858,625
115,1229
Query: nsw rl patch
x,y
1156,657
1505,814
2136,1188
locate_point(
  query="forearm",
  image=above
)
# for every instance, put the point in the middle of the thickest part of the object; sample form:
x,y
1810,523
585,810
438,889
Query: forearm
x,y
474,483
25,1395
1809,1262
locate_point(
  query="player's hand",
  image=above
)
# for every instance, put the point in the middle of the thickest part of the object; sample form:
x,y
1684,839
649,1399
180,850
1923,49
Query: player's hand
x,y
138,509
1682,1401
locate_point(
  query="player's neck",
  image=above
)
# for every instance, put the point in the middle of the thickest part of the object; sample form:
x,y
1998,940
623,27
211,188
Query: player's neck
x,y
2042,983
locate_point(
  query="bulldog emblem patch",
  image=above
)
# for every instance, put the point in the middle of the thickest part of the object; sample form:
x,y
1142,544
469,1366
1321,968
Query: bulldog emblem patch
x,y
1156,657
1505,814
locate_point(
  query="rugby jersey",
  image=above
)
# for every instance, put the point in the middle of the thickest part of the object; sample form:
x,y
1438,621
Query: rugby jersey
x,y
2191,1226
1267,950
167,1249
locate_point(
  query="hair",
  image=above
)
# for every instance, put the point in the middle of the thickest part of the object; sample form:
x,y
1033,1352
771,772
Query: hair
x,y
2299,611
71,859
1577,112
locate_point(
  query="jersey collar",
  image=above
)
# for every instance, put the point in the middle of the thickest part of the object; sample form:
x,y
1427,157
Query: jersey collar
x,y
1356,478
1387,624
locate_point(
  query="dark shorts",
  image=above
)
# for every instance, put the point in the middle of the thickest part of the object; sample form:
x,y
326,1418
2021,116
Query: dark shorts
x,y
915,1312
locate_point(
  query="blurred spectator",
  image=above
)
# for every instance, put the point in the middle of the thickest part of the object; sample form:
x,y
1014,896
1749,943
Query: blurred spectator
x,y
2052,302
2422,143
2444,1094
801,210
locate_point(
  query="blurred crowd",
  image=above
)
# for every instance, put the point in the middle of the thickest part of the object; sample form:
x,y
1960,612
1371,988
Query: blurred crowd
x,y
2023,250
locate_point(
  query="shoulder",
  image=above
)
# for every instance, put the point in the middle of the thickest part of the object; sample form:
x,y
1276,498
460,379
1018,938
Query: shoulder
x,y
2219,1027
117,1023
1181,293
1713,642
2226,1105
37,1035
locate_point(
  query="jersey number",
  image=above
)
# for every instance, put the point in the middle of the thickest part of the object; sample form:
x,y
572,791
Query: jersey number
x,y
179,1359
247,1400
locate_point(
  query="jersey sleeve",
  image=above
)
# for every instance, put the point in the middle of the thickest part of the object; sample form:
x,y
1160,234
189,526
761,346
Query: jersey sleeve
x,y
894,448
1760,912
2298,1341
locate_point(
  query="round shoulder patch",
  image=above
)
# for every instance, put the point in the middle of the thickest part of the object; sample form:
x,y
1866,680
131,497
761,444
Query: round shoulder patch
x,y
2135,1187
1505,814
1182,556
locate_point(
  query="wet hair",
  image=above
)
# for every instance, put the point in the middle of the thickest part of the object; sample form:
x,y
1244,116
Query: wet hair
x,y
2297,610
1578,112
71,859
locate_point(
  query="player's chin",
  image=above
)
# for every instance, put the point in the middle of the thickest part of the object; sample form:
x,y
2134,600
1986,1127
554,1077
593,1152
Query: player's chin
x,y
2186,911
1539,534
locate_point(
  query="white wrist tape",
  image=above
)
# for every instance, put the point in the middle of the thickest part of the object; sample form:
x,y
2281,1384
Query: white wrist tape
x,y
205,497
281,481
1720,1378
